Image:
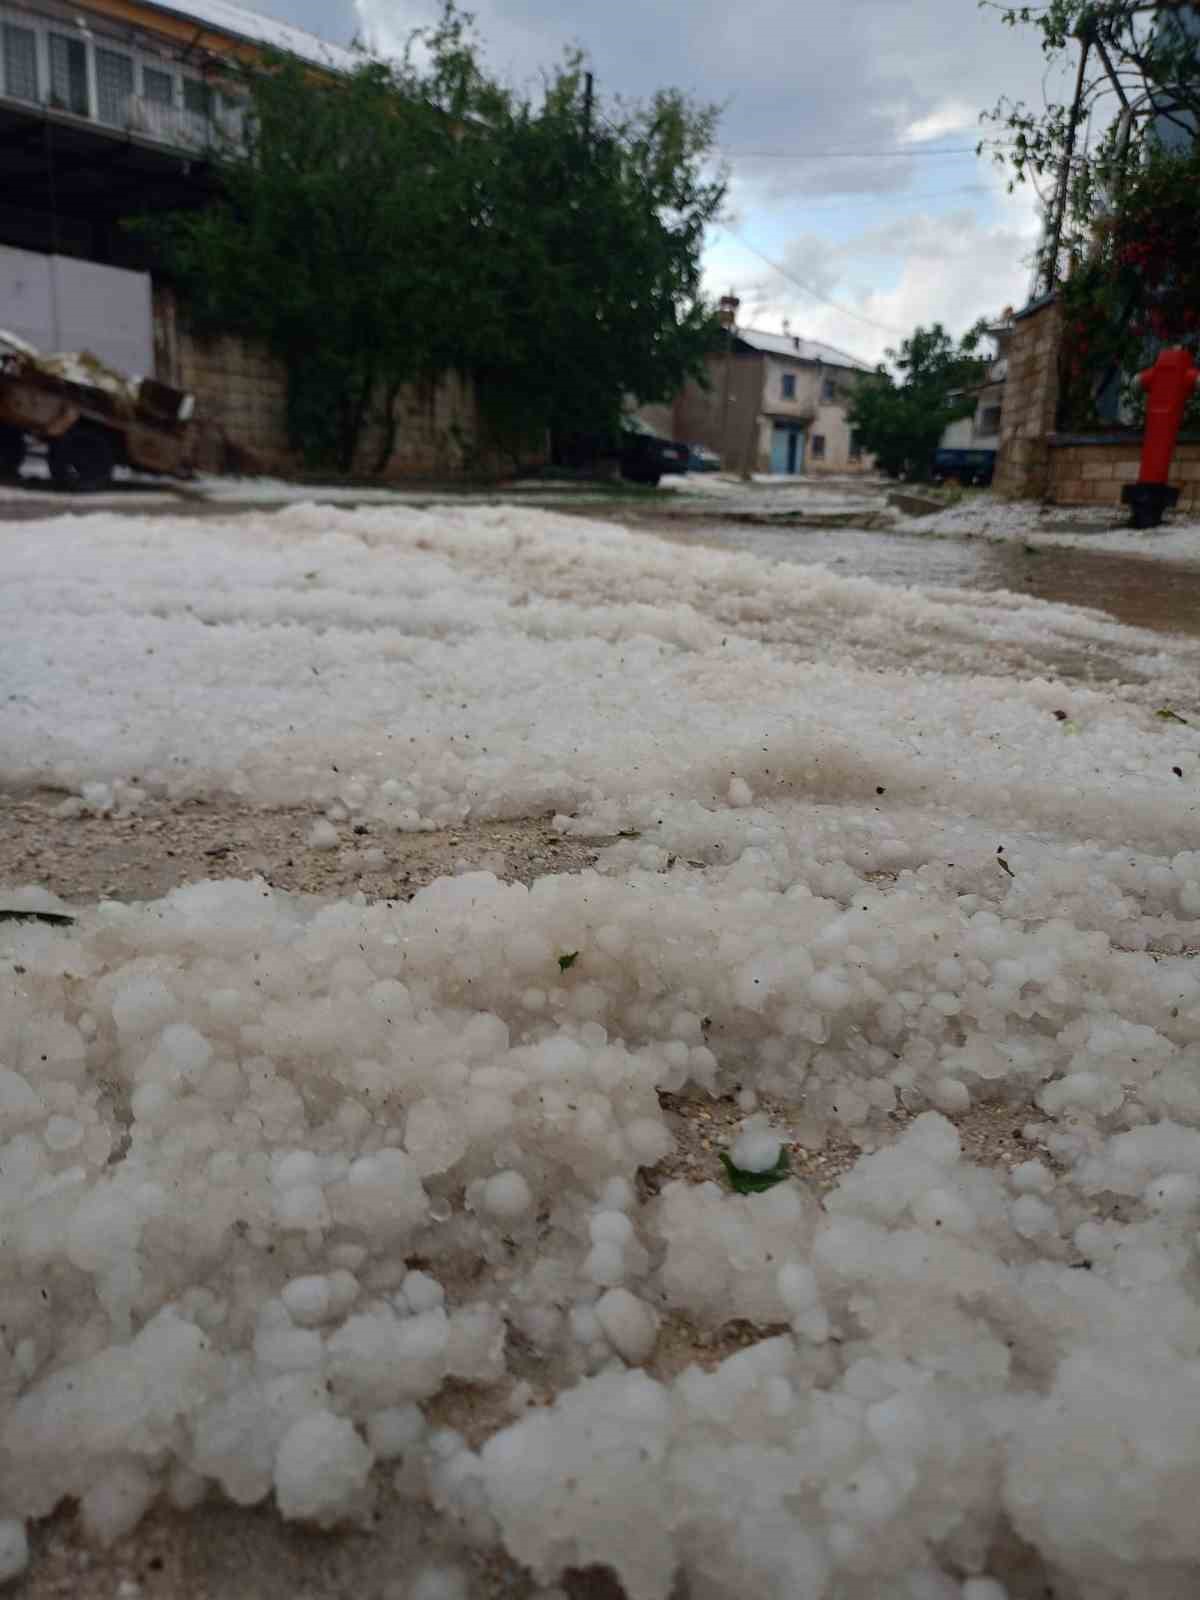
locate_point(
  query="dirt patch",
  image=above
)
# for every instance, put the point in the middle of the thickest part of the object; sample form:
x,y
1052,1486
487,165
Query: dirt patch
x,y
142,857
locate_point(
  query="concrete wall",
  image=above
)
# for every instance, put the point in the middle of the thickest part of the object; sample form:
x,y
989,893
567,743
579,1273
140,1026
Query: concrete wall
x,y
661,418
241,410
808,390
728,426
1094,473
1030,405
830,423
57,303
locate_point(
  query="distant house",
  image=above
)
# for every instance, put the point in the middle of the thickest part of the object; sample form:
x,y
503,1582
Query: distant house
x,y
776,404
981,430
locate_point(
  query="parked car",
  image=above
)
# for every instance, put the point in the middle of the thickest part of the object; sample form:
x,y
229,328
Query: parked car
x,y
702,459
644,456
967,466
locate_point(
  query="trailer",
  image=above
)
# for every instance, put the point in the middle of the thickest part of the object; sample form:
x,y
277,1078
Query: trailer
x,y
90,418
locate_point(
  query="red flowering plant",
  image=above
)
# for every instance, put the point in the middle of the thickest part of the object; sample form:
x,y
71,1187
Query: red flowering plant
x,y
1136,291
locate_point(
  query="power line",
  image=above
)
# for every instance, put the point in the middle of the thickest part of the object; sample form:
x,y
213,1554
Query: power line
x,y
784,272
851,155
845,199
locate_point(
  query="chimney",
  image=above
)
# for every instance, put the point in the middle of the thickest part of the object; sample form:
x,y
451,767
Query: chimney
x,y
727,310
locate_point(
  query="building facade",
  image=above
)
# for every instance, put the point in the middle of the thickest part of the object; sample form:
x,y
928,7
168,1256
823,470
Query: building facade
x,y
111,109
981,430
776,403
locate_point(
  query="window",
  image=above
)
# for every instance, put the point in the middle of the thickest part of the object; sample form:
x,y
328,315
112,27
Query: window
x,y
989,419
818,447
828,390
114,87
197,98
855,446
20,62
788,386
68,75
158,87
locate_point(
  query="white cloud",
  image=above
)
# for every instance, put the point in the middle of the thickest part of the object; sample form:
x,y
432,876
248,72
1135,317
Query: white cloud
x,y
950,268
954,116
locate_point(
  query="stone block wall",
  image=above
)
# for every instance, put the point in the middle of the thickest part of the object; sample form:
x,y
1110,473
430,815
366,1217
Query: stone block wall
x,y
241,410
1093,472
1030,404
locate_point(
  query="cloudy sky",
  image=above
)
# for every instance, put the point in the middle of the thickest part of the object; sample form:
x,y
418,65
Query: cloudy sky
x,y
857,207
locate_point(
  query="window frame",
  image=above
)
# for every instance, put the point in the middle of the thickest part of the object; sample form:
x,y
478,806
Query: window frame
x,y
787,386
159,70
120,115
72,43
29,36
817,446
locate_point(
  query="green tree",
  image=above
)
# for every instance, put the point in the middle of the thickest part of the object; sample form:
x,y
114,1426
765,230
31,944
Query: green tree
x,y
1134,72
406,219
901,414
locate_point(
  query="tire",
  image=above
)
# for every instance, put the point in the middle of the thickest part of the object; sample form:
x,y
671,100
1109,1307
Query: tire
x,y
12,451
82,460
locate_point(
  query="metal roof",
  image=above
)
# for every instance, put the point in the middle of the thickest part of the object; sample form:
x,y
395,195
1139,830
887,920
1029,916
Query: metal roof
x,y
787,344
240,22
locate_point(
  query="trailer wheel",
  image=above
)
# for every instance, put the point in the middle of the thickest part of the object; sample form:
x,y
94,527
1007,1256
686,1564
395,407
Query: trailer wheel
x,y
82,460
12,451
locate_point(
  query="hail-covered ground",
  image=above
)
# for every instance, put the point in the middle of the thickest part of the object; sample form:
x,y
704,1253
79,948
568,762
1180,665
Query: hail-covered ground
x,y
277,1174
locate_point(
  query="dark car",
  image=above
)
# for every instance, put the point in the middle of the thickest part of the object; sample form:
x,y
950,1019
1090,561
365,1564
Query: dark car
x,y
967,466
702,459
644,456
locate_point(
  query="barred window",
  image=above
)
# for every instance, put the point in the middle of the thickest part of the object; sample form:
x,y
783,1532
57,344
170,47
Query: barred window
x,y
68,74
158,87
20,62
197,97
114,87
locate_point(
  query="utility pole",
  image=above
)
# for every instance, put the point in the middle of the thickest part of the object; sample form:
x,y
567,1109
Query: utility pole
x,y
727,310
1064,183
588,86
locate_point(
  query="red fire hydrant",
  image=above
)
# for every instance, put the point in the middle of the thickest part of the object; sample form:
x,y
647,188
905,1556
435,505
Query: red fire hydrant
x,y
1168,384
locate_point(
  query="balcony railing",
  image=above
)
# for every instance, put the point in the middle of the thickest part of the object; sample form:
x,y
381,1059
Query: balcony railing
x,y
107,82
152,120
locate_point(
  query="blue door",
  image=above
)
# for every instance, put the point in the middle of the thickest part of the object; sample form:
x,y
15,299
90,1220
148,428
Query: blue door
x,y
787,450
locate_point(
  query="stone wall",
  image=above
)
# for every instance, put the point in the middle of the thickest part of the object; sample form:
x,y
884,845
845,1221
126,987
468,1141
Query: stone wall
x,y
1091,472
241,410
1030,404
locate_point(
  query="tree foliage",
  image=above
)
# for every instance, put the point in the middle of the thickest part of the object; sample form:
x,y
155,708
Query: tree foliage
x,y
1137,290
1140,92
1126,247
409,218
901,414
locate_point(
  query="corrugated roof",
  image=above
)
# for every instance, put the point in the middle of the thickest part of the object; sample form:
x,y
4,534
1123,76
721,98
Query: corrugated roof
x,y
242,23
786,344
